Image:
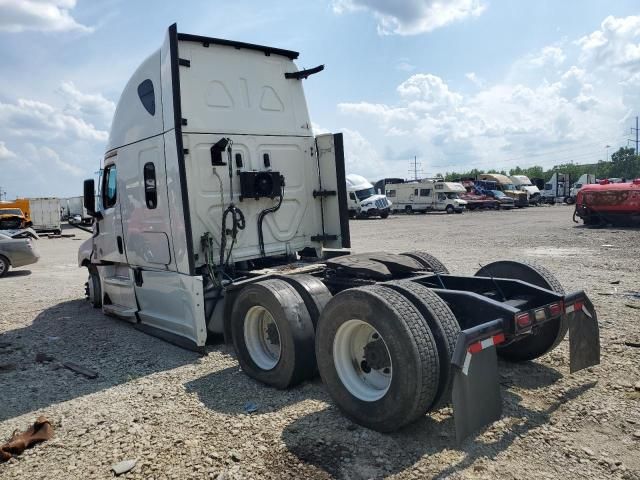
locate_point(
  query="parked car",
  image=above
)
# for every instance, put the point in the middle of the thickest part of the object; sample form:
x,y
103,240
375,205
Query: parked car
x,y
17,249
505,202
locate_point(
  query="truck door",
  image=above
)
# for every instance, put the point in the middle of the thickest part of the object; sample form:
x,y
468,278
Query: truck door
x,y
109,243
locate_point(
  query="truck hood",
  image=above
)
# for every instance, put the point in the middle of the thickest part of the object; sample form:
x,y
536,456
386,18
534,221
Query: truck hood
x,y
374,198
532,189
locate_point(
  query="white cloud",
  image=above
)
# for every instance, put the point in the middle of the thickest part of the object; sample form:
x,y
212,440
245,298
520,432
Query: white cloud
x,y
31,118
615,44
39,15
473,78
550,55
555,99
411,17
90,104
405,66
5,153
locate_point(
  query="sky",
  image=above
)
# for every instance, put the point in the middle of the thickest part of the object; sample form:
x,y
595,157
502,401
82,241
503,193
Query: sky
x,y
459,84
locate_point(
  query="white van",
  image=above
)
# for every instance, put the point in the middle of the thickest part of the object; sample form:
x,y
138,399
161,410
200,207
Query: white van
x,y
363,200
426,195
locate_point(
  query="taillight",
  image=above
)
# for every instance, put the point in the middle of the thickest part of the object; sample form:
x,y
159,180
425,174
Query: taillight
x,y
578,306
556,309
523,320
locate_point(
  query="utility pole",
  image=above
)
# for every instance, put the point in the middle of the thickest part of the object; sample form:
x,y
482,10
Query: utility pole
x,y
636,130
416,168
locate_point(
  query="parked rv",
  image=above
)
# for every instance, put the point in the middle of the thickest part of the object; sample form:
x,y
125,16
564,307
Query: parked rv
x,y
363,201
523,184
557,189
585,179
505,185
208,216
426,195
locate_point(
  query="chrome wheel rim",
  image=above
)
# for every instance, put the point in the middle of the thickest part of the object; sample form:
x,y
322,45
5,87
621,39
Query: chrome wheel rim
x,y
262,337
362,360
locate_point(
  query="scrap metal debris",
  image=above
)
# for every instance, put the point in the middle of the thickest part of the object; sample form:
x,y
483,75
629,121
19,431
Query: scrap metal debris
x,y
40,431
124,466
81,370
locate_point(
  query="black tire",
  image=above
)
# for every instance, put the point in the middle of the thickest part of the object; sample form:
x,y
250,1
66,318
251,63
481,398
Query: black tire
x,y
93,288
297,360
408,210
4,266
384,215
450,209
411,348
443,326
549,335
428,261
313,291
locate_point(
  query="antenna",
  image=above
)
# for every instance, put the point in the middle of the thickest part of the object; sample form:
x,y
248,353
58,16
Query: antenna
x,y
415,168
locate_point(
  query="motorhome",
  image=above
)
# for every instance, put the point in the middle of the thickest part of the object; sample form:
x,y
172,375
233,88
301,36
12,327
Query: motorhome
x,y
363,200
524,184
426,195
585,179
506,185
222,215
557,189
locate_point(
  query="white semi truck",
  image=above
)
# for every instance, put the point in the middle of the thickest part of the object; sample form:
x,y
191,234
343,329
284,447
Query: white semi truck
x,y
523,183
363,201
221,213
426,195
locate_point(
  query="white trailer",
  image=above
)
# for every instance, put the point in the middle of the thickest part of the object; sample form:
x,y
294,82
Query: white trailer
x,y
363,201
426,195
76,212
45,214
221,213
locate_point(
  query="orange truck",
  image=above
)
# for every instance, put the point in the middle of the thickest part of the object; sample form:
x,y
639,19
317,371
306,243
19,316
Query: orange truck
x,y
15,214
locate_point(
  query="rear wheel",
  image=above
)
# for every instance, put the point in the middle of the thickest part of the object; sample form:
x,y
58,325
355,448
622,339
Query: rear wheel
x,y
377,357
443,326
313,291
549,335
408,210
273,334
4,266
428,261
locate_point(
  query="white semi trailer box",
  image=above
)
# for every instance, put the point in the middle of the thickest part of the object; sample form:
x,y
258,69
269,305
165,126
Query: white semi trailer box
x,y
45,214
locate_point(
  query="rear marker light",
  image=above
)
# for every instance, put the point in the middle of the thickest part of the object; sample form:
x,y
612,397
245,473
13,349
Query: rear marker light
x,y
576,307
523,320
556,309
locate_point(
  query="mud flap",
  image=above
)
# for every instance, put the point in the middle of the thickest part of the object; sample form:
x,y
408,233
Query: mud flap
x,y
476,394
584,333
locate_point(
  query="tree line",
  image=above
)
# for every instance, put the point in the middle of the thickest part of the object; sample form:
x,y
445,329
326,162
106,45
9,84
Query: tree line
x,y
623,164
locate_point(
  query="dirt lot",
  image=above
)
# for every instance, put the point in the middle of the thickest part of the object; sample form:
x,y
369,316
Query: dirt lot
x,y
183,416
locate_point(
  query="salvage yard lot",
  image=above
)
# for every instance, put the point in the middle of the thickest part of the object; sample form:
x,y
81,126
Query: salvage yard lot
x,y
182,415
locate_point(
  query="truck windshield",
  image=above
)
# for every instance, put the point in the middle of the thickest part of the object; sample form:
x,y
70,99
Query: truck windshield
x,y
452,195
10,211
365,193
498,193
508,186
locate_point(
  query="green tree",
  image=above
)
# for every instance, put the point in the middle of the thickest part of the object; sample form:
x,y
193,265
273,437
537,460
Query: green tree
x,y
625,163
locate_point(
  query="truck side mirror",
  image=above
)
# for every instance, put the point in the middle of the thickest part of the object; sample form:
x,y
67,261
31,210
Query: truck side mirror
x,y
89,197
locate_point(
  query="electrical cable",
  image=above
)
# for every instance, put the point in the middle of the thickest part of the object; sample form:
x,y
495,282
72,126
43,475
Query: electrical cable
x,y
261,216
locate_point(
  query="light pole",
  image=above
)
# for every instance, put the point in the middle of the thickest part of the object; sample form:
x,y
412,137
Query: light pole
x,y
607,147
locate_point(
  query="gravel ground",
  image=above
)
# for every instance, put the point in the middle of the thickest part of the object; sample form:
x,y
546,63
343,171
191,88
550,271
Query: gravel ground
x,y
182,415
